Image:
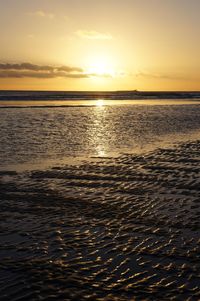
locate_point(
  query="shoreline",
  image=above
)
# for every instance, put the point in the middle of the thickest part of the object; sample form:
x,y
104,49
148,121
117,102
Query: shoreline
x,y
165,141
98,102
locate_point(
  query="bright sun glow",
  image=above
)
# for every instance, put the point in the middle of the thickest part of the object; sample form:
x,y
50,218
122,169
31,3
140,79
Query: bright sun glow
x,y
100,66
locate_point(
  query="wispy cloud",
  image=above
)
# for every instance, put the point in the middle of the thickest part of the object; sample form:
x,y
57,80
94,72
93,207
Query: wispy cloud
x,y
28,70
43,14
93,35
166,76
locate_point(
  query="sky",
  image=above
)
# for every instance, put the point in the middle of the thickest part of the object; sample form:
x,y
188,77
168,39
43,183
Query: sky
x,y
100,45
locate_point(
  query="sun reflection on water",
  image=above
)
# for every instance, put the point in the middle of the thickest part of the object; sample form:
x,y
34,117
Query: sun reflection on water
x,y
100,151
100,102
98,130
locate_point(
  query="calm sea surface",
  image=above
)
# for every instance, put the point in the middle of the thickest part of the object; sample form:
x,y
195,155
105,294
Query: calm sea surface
x,y
36,132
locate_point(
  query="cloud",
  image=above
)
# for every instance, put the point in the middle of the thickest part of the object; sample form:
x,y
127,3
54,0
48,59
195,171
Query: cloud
x,y
26,74
40,71
93,35
28,70
159,76
43,14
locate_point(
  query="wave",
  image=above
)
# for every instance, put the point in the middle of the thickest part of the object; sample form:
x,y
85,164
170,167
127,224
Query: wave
x,y
116,95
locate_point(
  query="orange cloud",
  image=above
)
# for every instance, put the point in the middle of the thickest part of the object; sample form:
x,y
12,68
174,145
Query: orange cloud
x,y
25,70
43,14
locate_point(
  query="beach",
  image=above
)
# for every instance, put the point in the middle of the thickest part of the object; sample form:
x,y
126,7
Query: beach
x,y
114,224
100,150
114,229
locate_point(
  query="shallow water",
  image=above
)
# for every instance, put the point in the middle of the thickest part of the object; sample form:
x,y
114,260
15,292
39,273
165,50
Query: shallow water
x,y
46,136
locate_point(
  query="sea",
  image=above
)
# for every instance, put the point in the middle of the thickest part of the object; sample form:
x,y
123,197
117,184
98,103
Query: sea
x,y
39,128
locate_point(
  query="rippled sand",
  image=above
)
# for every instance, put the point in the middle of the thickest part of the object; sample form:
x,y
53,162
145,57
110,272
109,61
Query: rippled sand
x,y
113,229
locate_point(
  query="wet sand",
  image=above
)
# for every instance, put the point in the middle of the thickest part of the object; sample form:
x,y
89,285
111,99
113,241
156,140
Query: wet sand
x,y
123,228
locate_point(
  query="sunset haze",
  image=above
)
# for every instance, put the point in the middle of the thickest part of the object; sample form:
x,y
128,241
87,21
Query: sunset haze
x,y
100,45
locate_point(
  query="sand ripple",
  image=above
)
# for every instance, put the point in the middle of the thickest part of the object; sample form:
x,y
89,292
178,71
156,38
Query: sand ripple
x,y
112,229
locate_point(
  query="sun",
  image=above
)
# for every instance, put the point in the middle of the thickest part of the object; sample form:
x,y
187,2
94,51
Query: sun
x,y
100,65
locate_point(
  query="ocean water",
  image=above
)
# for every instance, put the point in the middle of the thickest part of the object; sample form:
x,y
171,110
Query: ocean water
x,y
35,132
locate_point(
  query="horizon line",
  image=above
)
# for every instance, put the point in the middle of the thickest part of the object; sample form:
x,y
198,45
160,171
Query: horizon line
x,y
102,91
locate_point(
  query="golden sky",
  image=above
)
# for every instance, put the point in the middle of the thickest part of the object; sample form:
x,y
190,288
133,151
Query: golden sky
x,y
100,44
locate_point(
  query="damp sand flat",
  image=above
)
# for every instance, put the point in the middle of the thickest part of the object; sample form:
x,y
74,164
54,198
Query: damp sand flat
x,y
123,228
